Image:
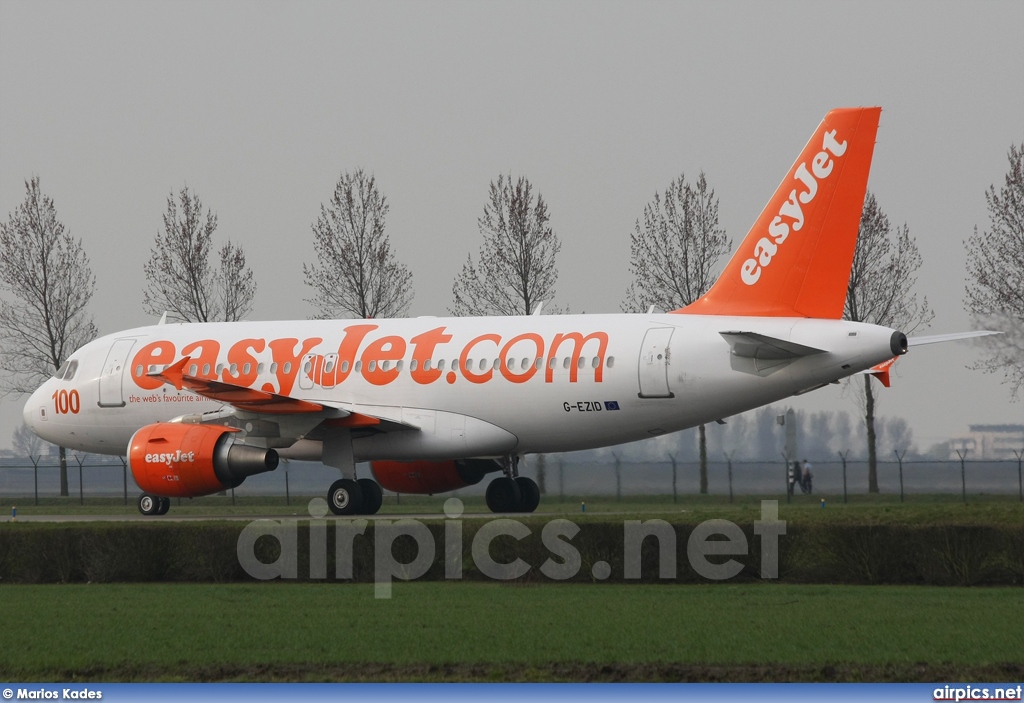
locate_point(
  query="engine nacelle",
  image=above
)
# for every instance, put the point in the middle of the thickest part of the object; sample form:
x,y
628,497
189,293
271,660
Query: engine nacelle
x,y
181,461
432,476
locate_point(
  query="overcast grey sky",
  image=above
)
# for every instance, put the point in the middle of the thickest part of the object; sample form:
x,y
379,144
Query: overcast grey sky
x,y
259,106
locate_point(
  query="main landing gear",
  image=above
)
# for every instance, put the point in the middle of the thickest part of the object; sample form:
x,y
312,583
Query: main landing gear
x,y
512,493
355,497
153,505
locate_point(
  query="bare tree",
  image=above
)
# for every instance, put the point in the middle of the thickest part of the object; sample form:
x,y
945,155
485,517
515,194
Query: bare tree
x,y
995,266
180,278
357,275
882,279
673,255
27,443
48,284
236,283
516,266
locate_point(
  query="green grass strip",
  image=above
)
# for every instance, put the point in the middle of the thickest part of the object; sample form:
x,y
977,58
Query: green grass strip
x,y
322,631
937,509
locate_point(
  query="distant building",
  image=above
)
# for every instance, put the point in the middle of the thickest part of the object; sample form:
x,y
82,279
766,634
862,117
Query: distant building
x,y
993,442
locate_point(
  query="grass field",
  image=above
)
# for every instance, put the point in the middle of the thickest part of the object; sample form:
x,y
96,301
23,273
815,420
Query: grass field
x,y
474,631
874,509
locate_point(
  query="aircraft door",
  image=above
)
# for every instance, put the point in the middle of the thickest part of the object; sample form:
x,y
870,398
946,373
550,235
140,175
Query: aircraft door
x,y
306,368
655,357
112,376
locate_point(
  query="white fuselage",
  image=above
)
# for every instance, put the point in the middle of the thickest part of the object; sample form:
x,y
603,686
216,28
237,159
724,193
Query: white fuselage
x,y
493,385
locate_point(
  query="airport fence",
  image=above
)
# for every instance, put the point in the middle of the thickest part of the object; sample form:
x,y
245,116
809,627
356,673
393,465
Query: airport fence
x,y
563,477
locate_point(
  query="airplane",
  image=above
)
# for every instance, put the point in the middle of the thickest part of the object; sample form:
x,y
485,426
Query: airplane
x,y
436,404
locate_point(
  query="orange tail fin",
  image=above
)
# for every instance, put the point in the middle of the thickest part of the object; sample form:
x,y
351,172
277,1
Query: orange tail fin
x,y
795,261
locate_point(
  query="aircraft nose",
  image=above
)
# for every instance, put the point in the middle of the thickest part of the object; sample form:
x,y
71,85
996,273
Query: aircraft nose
x,y
30,413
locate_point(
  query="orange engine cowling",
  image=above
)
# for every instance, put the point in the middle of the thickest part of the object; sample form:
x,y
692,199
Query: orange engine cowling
x,y
432,476
181,461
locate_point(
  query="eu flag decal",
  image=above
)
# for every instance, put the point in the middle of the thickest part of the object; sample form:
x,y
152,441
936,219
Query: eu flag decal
x,y
611,405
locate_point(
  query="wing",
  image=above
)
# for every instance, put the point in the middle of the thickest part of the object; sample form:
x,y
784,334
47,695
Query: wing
x,y
241,397
278,419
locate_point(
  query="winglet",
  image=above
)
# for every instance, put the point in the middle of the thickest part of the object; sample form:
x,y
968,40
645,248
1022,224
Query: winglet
x,y
881,371
172,374
796,260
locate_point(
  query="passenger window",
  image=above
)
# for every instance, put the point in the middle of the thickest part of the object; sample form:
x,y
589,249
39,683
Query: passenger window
x,y
206,369
611,362
412,365
192,369
440,365
565,363
344,367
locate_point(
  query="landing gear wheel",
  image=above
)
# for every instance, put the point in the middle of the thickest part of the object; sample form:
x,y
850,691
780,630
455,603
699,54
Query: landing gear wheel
x,y
164,506
149,505
373,496
530,494
345,497
503,495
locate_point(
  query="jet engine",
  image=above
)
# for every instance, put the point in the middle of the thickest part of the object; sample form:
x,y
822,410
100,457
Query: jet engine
x,y
432,476
181,461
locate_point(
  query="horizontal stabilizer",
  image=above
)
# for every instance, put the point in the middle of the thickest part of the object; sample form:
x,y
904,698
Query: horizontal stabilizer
x,y
751,345
952,337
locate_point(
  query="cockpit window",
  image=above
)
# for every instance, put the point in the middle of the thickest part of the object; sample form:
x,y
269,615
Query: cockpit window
x,y
67,371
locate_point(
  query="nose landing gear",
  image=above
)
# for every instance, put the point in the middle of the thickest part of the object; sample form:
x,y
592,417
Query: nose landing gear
x,y
351,497
153,505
